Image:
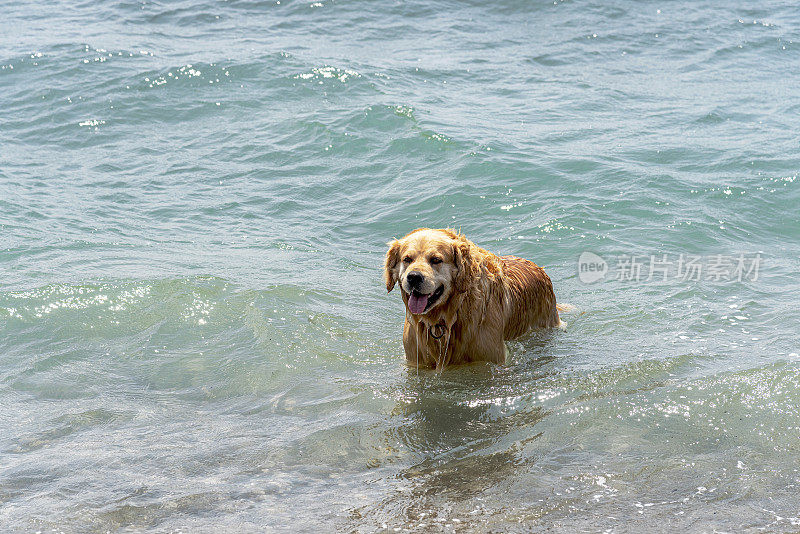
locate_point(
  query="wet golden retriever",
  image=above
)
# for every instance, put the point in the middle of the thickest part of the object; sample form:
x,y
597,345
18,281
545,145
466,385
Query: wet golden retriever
x,y
463,302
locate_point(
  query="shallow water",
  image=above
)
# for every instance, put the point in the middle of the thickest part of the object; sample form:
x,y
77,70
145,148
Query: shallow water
x,y
195,198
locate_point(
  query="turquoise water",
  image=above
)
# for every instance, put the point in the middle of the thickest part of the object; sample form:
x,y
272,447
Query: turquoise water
x,y
195,198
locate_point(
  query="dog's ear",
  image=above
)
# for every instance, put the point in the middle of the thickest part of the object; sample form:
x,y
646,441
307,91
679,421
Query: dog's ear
x,y
390,266
464,265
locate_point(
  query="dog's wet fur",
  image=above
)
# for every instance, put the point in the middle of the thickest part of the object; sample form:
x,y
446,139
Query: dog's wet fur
x,y
463,302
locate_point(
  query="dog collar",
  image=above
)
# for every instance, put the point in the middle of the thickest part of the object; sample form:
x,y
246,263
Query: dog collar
x,y
441,328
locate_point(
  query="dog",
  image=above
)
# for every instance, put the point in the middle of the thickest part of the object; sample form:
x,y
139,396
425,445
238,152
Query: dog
x,y
462,302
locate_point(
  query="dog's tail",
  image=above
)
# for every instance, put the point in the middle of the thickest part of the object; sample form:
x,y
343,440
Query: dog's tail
x,y
565,308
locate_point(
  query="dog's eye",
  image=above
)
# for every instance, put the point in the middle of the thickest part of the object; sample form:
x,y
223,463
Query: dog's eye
x,y
436,259
407,259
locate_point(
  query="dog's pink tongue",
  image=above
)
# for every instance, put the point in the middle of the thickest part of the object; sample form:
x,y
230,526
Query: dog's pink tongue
x,y
417,303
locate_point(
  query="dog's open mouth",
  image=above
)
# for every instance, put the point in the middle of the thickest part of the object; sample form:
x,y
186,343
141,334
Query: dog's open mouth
x,y
419,303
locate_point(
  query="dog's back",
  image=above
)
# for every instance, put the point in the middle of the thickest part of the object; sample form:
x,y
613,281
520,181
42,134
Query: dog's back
x,y
531,299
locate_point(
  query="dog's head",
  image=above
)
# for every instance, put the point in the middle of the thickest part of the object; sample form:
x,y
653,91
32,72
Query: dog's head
x,y
431,266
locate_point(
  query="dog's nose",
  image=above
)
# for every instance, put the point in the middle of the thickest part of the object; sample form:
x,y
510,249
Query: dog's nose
x,y
414,278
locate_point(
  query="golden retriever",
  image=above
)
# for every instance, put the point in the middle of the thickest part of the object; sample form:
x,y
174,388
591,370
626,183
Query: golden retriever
x,y
463,302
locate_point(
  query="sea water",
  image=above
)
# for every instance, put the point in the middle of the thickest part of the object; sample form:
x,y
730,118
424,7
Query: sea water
x,y
195,200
